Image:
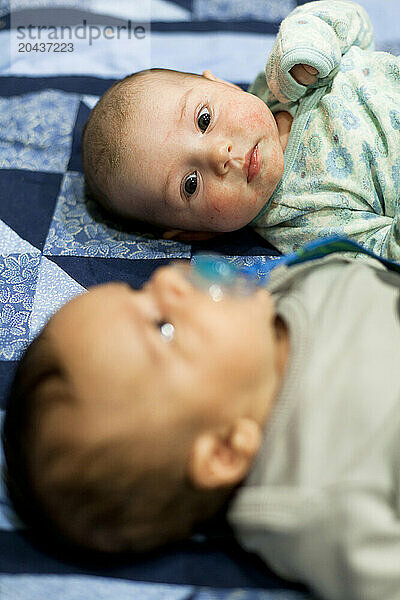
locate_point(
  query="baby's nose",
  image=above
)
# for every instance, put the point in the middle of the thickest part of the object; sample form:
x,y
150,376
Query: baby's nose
x,y
220,155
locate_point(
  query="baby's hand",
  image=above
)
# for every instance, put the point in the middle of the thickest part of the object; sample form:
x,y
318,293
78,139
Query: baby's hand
x,y
304,74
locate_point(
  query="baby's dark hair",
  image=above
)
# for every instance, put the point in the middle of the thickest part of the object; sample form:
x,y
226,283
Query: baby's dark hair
x,y
89,497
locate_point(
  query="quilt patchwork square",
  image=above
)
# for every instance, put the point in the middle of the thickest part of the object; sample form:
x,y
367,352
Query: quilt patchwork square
x,y
32,134
18,277
27,203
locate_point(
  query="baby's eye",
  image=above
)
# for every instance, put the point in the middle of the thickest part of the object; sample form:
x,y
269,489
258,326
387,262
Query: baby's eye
x,y
190,184
204,118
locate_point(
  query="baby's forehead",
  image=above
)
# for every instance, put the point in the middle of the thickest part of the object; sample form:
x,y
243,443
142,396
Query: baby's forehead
x,y
96,296
94,337
100,310
150,82
155,87
90,317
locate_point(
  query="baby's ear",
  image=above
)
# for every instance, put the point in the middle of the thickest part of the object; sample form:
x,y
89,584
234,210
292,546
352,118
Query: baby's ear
x,y
181,235
208,75
224,460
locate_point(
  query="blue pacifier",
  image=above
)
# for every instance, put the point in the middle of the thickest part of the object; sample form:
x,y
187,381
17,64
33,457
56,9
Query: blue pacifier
x,y
218,277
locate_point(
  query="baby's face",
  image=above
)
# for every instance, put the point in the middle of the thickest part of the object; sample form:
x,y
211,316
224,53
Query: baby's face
x,y
196,168
131,383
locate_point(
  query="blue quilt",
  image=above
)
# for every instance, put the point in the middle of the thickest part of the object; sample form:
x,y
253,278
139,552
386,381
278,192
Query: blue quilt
x,y
54,244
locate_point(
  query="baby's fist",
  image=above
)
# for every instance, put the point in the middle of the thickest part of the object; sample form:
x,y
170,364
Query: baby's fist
x,y
304,74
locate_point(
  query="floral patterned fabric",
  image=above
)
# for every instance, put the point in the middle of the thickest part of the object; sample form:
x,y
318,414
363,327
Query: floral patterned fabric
x,y
18,277
35,137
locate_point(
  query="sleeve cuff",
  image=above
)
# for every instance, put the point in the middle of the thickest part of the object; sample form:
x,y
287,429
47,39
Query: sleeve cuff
x,y
288,85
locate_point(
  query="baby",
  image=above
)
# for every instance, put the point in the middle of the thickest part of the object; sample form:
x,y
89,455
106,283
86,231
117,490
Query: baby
x,y
312,150
281,408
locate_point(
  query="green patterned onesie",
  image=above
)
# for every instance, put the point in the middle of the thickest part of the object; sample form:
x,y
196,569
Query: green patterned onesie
x,y
342,161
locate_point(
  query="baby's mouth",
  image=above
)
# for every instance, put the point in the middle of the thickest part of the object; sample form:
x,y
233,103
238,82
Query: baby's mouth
x,y
252,164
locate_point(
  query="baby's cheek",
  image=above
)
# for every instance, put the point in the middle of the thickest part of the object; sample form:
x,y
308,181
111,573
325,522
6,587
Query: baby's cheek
x,y
221,201
232,209
254,116
256,122
248,122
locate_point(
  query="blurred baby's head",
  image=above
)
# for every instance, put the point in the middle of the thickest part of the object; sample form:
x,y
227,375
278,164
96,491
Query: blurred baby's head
x,y
180,150
117,440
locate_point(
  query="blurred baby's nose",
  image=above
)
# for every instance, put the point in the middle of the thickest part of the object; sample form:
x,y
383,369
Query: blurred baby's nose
x,y
171,281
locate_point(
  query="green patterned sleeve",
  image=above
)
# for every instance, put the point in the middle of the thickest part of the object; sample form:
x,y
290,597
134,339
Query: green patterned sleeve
x,y
328,214
318,34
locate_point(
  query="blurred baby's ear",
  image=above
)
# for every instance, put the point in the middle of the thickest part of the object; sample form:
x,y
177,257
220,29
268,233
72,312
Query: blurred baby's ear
x,y
224,459
208,75
181,235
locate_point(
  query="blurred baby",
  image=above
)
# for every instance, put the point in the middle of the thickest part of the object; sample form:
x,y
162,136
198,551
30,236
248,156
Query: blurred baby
x,y
137,415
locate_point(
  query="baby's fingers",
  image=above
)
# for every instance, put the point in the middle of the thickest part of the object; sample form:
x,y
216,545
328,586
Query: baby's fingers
x,y
304,74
